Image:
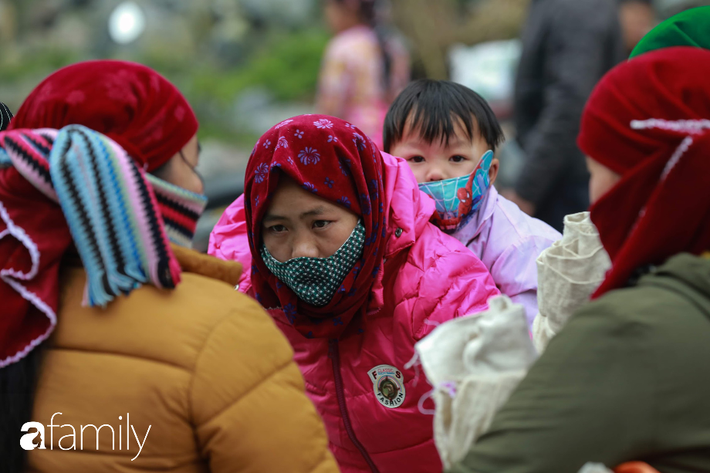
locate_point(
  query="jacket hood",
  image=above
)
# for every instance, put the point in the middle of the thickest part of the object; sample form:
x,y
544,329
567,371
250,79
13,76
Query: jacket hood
x,y
408,212
407,207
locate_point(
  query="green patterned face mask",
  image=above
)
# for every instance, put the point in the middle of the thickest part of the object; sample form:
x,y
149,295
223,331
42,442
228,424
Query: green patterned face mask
x,y
316,280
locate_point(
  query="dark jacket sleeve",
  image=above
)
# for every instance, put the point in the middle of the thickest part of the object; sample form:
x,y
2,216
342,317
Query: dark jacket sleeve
x,y
589,398
582,42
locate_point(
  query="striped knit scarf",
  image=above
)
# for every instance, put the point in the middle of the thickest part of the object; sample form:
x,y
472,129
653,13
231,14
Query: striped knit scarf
x,y
179,208
5,116
121,219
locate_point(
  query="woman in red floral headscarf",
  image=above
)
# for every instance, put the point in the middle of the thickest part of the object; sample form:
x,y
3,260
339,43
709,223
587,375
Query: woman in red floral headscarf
x,y
627,378
154,362
347,263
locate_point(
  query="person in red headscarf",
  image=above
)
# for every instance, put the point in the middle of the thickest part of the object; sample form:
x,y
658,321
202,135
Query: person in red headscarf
x,y
352,271
149,341
627,378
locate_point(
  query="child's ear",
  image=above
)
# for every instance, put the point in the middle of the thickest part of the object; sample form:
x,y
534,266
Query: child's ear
x,y
493,171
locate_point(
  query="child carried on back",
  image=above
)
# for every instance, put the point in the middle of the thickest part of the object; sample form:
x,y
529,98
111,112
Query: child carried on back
x,y
448,134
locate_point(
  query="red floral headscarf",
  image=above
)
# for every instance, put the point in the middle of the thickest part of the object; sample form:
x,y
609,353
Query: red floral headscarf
x,y
337,162
649,120
130,103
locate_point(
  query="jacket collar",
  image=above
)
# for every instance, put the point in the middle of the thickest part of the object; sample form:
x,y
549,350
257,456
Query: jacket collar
x,y
190,262
193,262
691,270
409,209
474,226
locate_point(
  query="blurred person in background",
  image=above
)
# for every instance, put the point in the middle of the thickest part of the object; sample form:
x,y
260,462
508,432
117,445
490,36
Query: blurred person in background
x,y
637,17
364,66
568,45
99,199
627,378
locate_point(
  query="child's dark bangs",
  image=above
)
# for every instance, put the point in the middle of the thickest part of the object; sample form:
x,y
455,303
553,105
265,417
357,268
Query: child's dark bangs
x,y
435,110
439,121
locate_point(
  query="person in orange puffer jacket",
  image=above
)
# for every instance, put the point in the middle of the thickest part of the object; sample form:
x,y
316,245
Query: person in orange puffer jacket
x,y
120,348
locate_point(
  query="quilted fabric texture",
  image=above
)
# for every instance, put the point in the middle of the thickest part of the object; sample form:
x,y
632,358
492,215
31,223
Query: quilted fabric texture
x,y
203,366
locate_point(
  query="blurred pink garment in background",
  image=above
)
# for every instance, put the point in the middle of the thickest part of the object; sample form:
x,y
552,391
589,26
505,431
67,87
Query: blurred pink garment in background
x,y
352,83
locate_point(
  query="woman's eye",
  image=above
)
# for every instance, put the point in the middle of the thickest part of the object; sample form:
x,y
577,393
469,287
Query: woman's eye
x,y
416,159
320,223
458,158
276,229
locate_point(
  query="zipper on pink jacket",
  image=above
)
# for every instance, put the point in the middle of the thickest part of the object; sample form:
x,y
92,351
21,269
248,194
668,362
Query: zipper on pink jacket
x,y
340,394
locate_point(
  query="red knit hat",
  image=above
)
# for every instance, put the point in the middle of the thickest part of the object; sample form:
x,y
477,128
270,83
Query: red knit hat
x,y
130,103
649,121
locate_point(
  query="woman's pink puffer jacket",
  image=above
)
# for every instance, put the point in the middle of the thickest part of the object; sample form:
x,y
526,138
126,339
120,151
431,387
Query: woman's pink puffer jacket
x,y
369,401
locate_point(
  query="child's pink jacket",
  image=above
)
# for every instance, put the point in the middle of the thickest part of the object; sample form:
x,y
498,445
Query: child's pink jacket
x,y
429,278
508,241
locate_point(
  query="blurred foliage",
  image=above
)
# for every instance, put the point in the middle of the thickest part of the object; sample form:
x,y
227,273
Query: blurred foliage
x,y
287,66
39,62
214,51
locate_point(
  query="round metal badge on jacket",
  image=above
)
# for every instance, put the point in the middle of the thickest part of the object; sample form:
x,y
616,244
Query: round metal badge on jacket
x,y
388,384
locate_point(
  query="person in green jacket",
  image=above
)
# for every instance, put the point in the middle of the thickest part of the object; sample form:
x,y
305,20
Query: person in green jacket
x,y
628,378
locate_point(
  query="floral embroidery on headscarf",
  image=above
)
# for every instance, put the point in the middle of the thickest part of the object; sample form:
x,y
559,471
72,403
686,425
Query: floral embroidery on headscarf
x,y
333,160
